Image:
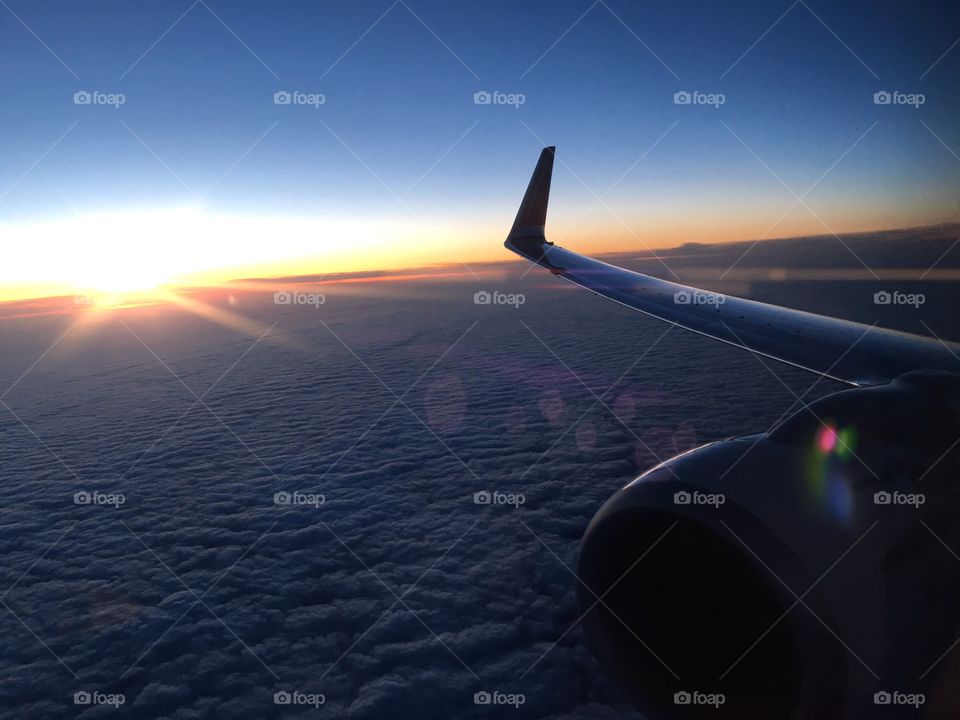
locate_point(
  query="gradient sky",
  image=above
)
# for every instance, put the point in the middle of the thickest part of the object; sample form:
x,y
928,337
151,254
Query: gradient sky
x,y
199,170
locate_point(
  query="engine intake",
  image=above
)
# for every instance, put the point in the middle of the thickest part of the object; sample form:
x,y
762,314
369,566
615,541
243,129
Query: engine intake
x,y
766,577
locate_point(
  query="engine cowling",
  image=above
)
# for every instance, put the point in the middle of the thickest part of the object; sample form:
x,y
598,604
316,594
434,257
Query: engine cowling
x,y
808,572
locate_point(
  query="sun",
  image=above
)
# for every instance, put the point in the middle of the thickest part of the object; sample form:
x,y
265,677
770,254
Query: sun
x,y
147,250
122,280
117,279
128,258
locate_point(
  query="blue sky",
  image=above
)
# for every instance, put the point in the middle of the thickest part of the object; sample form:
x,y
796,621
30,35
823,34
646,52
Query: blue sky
x,y
199,126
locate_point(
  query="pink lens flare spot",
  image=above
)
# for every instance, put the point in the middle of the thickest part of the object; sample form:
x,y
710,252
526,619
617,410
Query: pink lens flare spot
x,y
516,419
827,439
625,406
552,406
586,437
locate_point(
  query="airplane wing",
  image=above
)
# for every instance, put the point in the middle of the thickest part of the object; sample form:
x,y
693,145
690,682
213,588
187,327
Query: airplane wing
x,y
847,351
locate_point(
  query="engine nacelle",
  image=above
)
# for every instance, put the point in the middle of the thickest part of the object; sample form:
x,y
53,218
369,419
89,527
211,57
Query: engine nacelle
x,y
810,572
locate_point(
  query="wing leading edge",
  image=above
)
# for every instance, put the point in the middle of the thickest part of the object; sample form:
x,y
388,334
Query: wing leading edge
x,y
847,351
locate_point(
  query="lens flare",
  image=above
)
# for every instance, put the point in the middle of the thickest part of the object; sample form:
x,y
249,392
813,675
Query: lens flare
x,y
826,470
828,439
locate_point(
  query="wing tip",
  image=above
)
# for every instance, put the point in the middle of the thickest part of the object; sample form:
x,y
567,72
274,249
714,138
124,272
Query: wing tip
x,y
527,234
533,208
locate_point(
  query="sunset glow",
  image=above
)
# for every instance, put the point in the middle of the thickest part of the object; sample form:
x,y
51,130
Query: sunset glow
x,y
110,255
107,255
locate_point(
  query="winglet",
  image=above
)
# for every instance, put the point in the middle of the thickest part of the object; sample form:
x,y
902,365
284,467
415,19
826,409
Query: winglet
x,y
532,215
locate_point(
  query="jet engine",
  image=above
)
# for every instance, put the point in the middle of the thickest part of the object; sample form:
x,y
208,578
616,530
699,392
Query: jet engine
x,y
809,572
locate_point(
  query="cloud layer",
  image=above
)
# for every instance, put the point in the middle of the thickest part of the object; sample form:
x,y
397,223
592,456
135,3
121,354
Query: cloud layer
x,y
397,595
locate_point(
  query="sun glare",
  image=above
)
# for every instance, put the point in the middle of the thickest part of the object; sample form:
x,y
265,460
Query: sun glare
x,y
119,279
105,255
